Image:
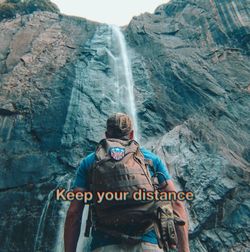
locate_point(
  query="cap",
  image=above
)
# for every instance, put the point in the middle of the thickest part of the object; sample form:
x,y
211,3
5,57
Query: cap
x,y
119,125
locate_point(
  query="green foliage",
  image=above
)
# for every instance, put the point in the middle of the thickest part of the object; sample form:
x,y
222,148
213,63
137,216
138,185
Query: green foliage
x,y
30,6
10,8
7,10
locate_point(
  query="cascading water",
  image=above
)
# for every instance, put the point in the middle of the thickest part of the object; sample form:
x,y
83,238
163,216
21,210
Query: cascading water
x,y
48,210
125,67
110,58
6,127
59,245
41,224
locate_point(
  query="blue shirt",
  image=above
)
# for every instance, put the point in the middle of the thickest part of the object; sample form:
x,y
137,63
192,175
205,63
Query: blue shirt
x,y
99,238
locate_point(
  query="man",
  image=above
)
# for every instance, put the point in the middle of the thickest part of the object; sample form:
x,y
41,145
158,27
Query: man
x,y
119,126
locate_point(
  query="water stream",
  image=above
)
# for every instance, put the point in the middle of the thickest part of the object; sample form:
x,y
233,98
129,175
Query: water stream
x,y
109,46
50,204
6,127
124,68
59,245
41,224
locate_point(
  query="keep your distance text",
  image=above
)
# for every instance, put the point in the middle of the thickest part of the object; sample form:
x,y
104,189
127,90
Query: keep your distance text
x,y
141,194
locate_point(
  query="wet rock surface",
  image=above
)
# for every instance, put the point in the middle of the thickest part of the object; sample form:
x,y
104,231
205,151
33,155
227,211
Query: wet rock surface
x,y
191,70
193,84
11,8
39,53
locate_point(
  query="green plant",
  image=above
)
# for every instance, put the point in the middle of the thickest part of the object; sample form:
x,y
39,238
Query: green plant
x,y
10,8
7,10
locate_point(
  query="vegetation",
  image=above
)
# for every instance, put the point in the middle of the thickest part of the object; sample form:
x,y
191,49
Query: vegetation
x,y
10,8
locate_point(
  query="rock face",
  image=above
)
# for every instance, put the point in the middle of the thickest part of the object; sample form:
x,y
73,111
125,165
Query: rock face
x,y
191,71
12,8
193,84
39,57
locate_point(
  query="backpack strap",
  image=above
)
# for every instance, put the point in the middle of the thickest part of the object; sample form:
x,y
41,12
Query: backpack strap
x,y
102,150
155,176
149,162
88,223
154,179
120,236
136,239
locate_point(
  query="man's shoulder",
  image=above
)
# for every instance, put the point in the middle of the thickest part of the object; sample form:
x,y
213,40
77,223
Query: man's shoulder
x,y
148,154
88,160
159,165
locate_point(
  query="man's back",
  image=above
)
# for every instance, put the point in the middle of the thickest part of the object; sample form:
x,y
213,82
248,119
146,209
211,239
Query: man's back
x,y
100,238
119,126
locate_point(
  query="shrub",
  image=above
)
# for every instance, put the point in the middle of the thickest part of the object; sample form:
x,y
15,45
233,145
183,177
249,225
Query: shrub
x,y
10,8
7,10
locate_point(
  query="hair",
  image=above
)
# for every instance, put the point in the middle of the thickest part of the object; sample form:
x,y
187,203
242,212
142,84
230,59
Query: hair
x,y
119,126
113,134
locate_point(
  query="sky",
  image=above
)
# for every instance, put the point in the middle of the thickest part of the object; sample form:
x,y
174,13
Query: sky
x,y
118,12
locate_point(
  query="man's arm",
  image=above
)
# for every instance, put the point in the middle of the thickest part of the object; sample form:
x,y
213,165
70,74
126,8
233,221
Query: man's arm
x,y
182,231
73,223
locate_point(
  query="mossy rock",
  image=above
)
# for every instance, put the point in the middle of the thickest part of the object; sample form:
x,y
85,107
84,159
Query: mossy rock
x,y
7,10
38,5
10,8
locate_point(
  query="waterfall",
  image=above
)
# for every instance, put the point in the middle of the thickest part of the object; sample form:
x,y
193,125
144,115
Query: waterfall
x,y
59,245
110,54
47,212
41,224
6,126
124,68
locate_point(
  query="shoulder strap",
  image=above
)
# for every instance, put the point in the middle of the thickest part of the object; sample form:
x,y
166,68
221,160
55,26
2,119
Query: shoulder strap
x,y
120,236
100,152
131,146
149,163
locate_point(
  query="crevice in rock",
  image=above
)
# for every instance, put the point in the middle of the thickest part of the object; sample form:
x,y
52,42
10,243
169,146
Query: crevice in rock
x,y
6,112
30,186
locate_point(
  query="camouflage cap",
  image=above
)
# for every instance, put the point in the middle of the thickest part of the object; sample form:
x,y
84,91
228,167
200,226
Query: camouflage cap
x,y
119,125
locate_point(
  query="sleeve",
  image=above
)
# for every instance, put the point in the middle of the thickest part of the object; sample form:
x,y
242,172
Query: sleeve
x,y
162,170
159,166
81,178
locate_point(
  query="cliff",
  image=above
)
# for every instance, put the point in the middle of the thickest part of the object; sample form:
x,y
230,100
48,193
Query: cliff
x,y
12,8
191,70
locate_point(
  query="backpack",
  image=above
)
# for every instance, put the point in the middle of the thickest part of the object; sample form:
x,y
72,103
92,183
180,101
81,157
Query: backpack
x,y
120,167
